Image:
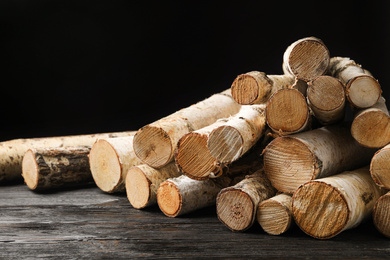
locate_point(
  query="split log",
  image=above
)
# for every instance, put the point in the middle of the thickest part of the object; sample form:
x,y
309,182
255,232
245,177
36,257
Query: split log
x,y
237,205
326,98
361,88
155,143
142,182
256,87
275,214
371,126
50,168
380,167
381,214
237,134
325,207
12,152
291,161
110,159
306,59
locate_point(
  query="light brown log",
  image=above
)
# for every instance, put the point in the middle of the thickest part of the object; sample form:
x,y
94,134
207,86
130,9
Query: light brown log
x,y
291,161
326,98
275,214
237,134
237,205
256,87
155,143
142,182
381,214
371,126
50,168
306,58
325,207
12,152
380,167
362,89
110,159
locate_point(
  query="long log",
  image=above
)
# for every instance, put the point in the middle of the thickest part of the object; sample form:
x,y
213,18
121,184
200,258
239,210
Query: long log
x,y
381,214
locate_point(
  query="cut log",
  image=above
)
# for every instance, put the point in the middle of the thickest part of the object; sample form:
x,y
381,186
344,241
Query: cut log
x,y
256,87
237,205
306,59
362,89
381,214
12,152
50,168
291,161
326,98
155,143
142,182
275,214
237,134
110,159
371,126
325,207
380,167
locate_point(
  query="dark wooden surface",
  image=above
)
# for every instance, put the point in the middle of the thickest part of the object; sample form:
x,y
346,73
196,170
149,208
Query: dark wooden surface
x,y
88,224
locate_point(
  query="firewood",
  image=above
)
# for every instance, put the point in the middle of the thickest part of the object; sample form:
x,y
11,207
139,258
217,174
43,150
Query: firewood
x,y
275,214
381,214
380,167
326,98
142,182
362,89
237,205
110,159
325,207
291,161
155,143
371,126
237,134
256,87
306,59
50,168
12,152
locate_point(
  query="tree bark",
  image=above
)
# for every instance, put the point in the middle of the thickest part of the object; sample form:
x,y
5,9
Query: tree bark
x,y
381,214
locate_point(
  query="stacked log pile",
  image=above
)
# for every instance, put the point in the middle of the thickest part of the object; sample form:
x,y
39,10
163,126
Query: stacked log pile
x,y
272,148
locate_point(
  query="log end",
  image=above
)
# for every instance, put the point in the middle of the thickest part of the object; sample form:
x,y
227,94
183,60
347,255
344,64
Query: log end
x,y
169,199
289,163
326,93
153,146
235,209
30,170
250,88
105,166
363,91
380,168
273,217
287,111
381,215
320,210
225,144
137,188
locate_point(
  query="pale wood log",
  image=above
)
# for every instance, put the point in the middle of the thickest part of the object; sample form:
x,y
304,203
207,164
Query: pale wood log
x,y
275,214
142,182
381,214
291,161
380,167
326,98
12,152
110,159
371,126
256,87
237,205
361,88
325,207
155,143
306,58
237,134
50,168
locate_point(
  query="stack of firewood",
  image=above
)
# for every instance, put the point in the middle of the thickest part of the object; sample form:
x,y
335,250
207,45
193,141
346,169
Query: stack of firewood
x,y
272,149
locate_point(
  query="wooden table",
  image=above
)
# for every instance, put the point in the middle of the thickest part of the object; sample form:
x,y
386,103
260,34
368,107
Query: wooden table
x,y
88,224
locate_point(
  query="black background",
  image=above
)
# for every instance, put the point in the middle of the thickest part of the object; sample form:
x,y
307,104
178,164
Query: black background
x,y
78,67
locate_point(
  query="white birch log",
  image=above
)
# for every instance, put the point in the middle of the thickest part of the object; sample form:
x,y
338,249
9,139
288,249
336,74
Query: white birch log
x,y
381,214
380,167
